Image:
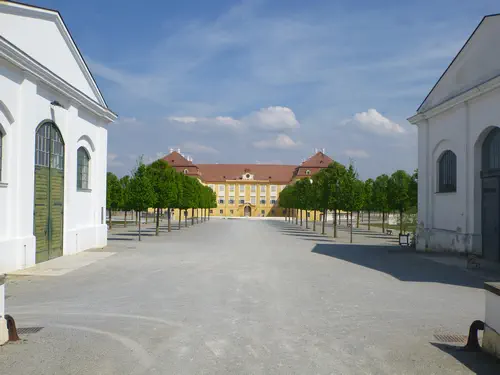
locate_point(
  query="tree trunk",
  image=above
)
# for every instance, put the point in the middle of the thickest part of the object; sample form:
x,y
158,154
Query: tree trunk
x,y
157,221
401,222
168,218
296,217
110,221
357,220
340,218
125,221
192,216
335,223
147,216
369,220
301,217
325,213
208,214
197,216
307,220
136,219
314,222
185,219
351,225
180,219
383,222
139,215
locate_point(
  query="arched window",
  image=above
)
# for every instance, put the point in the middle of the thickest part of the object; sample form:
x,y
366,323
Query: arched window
x,y
308,172
82,171
1,153
447,176
186,171
491,150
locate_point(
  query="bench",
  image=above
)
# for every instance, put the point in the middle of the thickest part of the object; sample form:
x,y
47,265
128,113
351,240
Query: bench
x,y
388,231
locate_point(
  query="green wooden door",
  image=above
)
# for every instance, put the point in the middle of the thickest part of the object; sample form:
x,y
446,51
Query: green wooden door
x,y
49,192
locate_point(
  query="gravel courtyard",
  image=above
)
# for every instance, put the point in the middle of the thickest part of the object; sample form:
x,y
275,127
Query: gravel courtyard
x,y
246,297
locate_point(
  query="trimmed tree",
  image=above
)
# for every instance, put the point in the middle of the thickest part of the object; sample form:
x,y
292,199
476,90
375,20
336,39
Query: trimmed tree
x,y
141,192
369,201
399,194
380,195
113,195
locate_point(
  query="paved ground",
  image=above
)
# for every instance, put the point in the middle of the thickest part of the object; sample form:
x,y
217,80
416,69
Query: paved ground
x,y
246,297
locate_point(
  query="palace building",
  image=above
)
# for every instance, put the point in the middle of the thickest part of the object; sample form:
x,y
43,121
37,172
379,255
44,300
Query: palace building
x,y
247,189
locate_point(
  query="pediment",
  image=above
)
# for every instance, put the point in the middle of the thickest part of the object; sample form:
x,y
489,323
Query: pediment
x,y
477,62
41,34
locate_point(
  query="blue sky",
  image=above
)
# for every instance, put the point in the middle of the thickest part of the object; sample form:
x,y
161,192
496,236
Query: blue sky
x,y
268,81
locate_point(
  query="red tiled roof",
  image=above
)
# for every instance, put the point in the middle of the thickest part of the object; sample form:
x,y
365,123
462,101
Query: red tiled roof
x,y
263,172
266,172
319,160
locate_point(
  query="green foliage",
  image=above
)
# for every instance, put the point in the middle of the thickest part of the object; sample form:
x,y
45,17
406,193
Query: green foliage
x,y
141,191
380,193
163,179
351,191
398,191
125,201
114,196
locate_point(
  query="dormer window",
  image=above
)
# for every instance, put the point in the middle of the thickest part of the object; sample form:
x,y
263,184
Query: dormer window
x,y
308,172
186,171
248,175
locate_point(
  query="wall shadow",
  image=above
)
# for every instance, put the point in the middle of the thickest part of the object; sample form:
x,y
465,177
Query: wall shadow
x,y
479,363
404,266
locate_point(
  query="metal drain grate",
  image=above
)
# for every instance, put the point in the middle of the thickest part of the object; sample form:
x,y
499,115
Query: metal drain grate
x,y
28,330
443,337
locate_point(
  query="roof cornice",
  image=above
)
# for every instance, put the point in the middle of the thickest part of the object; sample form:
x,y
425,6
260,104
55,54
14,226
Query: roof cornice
x,y
470,94
17,57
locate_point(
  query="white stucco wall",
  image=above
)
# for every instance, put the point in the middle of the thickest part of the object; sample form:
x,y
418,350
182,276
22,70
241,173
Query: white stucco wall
x,y
28,101
452,221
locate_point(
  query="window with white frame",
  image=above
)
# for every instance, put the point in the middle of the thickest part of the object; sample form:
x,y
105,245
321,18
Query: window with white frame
x,y
1,153
221,188
242,201
273,201
231,200
274,188
82,171
221,200
262,201
231,188
242,189
253,200
253,188
263,189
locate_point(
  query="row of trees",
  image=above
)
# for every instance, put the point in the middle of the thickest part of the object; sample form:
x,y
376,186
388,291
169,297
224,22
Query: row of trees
x,y
158,186
338,188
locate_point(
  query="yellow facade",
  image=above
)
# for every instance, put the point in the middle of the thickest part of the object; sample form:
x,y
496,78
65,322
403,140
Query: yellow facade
x,y
238,198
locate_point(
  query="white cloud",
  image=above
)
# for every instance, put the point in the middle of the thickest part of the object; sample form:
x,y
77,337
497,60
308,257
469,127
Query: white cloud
x,y
372,121
197,123
360,154
281,142
197,148
127,121
113,160
273,118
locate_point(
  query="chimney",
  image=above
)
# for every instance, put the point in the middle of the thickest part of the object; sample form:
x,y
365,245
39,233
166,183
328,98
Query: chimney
x,y
179,150
323,150
170,150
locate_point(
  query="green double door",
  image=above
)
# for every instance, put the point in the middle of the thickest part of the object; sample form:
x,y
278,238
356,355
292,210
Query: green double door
x,y
49,192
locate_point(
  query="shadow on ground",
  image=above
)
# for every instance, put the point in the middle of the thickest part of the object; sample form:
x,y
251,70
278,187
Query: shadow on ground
x,y
479,363
404,267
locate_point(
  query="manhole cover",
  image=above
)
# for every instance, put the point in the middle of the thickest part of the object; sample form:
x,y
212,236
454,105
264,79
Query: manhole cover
x,y
28,330
443,337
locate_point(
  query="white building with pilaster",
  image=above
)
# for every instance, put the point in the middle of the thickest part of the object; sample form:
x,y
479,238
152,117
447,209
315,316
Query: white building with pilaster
x,y
53,141
459,151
